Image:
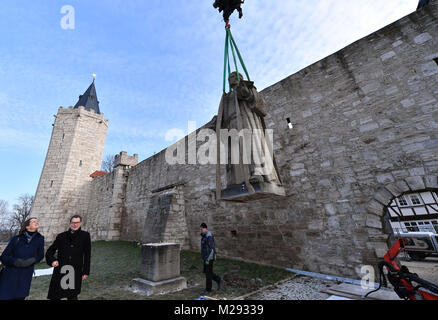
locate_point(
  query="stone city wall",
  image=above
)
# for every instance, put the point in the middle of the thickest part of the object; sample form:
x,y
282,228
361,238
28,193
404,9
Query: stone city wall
x,y
365,130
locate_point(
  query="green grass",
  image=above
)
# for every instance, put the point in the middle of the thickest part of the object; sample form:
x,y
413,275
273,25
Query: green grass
x,y
115,264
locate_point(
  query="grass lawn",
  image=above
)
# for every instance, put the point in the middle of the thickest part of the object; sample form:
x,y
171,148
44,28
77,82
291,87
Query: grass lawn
x,y
115,264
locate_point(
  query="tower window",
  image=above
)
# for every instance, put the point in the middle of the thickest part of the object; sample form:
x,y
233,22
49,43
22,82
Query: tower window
x,y
51,183
63,136
80,163
289,123
436,60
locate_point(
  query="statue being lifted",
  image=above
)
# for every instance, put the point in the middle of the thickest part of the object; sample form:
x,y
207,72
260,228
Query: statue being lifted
x,y
251,170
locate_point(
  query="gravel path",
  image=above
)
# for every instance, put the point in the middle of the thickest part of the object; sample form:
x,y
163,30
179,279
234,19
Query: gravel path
x,y
299,288
427,269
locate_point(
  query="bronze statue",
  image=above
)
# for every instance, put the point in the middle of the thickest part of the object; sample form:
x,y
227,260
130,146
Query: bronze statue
x,y
244,109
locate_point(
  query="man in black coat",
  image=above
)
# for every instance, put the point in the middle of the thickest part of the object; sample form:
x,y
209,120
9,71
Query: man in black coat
x,y
72,264
228,7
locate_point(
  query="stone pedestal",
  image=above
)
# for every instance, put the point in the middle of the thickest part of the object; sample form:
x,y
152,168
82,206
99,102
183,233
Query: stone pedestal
x,y
239,193
160,270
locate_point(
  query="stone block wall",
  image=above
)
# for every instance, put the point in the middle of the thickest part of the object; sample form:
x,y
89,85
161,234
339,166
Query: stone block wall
x,y
365,131
98,213
364,118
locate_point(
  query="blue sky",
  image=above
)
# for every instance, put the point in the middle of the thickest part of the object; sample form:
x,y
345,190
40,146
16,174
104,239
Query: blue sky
x,y
158,64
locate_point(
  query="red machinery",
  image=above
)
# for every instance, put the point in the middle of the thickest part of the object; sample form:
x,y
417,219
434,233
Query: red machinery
x,y
403,280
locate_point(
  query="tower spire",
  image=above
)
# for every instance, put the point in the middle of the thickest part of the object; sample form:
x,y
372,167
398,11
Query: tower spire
x,y
89,99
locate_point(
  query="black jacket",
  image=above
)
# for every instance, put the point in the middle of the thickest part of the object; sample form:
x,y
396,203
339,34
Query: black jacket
x,y
73,249
208,250
15,280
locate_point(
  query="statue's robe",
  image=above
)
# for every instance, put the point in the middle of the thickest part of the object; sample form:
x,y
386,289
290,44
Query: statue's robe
x,y
248,112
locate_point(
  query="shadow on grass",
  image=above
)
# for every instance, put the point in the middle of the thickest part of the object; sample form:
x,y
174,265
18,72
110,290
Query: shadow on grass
x,y
115,264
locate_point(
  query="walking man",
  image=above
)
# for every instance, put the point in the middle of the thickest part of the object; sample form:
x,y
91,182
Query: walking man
x,y
72,264
208,253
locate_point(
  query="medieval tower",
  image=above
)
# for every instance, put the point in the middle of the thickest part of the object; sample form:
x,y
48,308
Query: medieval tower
x,y
75,152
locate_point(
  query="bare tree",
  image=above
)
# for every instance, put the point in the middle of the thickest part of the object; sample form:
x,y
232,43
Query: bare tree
x,y
21,212
108,163
5,220
4,213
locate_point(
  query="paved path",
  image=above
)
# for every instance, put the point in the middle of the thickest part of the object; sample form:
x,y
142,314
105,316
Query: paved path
x,y
299,288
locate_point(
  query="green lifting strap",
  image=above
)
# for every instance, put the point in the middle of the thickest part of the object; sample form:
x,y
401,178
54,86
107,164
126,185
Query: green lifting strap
x,y
230,43
226,60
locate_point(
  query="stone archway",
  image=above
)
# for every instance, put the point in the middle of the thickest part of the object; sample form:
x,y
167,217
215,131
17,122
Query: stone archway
x,y
383,197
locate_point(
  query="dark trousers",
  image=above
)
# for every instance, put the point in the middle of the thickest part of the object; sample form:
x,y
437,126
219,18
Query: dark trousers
x,y
209,275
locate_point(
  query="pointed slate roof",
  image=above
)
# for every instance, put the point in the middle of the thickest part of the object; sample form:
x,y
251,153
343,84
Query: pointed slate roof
x,y
89,99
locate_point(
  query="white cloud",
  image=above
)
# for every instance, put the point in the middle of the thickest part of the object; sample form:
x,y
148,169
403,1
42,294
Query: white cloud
x,y
286,36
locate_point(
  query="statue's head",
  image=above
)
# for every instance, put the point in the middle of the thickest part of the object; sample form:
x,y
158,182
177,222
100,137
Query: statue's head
x,y
232,79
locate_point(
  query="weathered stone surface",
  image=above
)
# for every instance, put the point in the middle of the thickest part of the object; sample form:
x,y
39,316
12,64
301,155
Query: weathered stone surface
x,y
395,191
403,186
383,196
376,207
364,118
123,159
415,183
160,261
422,38
149,288
385,178
373,222
431,182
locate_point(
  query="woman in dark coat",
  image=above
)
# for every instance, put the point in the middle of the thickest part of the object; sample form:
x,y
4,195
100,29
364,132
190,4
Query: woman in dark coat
x,y
74,249
19,258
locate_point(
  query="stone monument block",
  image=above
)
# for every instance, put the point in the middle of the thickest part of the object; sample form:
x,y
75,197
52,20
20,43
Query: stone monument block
x,y
160,261
160,269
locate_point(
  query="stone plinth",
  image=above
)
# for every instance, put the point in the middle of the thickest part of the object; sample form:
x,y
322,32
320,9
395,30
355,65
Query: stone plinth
x,y
160,261
161,287
239,193
160,269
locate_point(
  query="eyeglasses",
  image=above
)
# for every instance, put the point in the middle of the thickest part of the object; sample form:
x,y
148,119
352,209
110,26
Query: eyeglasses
x,y
76,222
